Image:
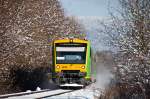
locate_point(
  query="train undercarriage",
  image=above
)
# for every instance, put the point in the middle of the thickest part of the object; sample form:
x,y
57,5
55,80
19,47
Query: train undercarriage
x,y
71,77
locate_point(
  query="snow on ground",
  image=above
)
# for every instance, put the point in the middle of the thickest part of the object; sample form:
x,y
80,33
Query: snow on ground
x,y
39,95
90,92
76,85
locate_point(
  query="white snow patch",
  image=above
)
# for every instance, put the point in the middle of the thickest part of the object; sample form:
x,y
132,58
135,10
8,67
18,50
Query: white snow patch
x,y
72,85
28,91
38,89
90,92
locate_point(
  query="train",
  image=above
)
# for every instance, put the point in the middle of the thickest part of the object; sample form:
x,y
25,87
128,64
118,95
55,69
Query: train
x,y
72,62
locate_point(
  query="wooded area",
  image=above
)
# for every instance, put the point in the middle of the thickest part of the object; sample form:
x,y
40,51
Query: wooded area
x,y
27,29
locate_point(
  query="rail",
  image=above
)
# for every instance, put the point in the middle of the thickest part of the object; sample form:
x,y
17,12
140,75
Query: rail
x,y
39,94
35,94
22,93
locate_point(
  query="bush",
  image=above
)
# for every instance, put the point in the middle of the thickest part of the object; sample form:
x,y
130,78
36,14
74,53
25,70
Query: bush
x,y
28,79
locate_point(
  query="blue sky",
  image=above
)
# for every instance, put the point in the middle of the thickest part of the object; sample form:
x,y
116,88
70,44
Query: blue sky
x,y
88,7
89,11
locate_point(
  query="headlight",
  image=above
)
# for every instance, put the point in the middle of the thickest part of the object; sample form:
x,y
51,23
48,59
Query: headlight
x,y
57,67
82,67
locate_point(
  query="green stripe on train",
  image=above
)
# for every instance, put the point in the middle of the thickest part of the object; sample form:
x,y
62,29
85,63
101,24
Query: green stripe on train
x,y
88,65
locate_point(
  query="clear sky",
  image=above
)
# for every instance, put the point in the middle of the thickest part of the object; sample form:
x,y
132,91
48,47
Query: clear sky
x,y
89,11
88,7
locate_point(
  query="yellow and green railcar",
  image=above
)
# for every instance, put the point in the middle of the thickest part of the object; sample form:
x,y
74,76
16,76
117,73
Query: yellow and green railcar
x,y
72,61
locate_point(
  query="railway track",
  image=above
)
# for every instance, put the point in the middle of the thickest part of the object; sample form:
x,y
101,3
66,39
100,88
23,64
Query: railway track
x,y
35,94
47,94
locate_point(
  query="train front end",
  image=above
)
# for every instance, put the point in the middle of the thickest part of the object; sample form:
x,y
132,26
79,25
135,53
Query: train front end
x,y
71,61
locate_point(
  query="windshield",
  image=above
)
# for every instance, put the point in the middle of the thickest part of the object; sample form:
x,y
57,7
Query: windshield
x,y
70,55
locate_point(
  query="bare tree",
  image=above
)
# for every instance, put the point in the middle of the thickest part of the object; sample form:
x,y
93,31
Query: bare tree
x,y
130,33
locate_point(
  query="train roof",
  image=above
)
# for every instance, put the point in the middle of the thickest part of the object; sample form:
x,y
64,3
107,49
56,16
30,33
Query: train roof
x,y
74,40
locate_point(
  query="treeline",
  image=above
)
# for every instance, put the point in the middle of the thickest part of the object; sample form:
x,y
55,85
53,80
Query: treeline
x,y
129,34
27,29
